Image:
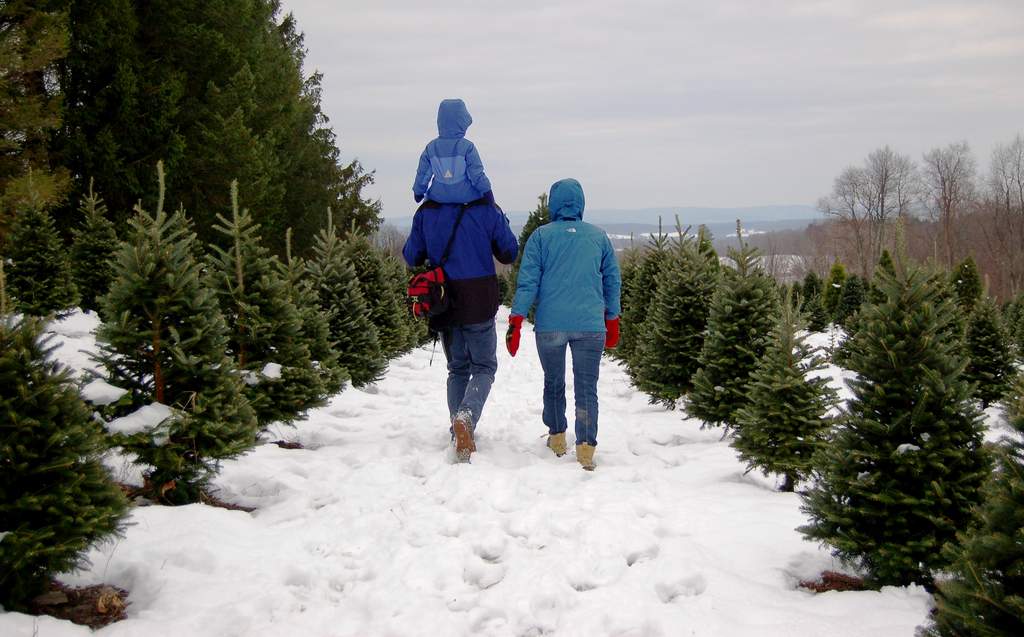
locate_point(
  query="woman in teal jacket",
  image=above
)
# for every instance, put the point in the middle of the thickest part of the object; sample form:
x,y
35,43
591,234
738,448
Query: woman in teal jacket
x,y
570,273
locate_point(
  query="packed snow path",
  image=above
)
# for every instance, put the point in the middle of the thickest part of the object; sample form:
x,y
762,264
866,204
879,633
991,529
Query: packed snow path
x,y
373,530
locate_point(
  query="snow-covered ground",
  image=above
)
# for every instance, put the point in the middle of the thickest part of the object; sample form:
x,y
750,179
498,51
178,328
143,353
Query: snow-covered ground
x,y
372,530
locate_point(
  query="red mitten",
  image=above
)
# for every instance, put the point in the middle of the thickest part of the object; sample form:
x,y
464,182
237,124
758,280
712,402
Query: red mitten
x,y
611,338
515,326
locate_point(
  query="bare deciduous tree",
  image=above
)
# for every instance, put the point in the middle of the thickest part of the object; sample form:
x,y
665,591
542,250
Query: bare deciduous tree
x,y
949,190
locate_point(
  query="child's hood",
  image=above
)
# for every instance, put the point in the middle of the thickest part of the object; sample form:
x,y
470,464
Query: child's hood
x,y
453,118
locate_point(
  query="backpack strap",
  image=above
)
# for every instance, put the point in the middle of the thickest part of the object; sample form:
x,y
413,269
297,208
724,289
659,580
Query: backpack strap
x,y
451,239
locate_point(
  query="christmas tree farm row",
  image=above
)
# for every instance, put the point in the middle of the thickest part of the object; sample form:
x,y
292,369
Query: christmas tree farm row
x,y
219,341
897,482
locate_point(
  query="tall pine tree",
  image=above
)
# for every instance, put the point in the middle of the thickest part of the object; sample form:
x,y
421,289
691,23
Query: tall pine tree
x,y
337,287
905,466
56,497
985,595
784,422
673,333
385,296
853,296
966,282
315,327
742,315
164,339
636,300
39,278
811,304
92,252
265,327
990,365
832,290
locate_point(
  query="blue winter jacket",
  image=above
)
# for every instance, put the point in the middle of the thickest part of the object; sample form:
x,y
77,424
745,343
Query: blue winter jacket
x,y
569,269
450,170
482,235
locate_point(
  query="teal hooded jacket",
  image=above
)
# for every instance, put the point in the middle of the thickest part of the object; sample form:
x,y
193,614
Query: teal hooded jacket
x,y
569,269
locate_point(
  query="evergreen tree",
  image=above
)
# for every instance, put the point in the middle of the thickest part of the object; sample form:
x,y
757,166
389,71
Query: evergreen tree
x,y
1015,324
985,595
216,88
40,277
56,497
990,365
264,325
832,290
966,282
910,418
385,296
885,264
315,326
743,311
414,328
673,333
853,296
92,252
337,287
164,339
637,299
539,216
811,304
33,38
785,422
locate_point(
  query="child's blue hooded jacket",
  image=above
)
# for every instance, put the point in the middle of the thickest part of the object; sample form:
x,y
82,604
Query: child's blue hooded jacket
x,y
569,269
450,170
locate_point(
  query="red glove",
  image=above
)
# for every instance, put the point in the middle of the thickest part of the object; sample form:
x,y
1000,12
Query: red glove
x,y
515,325
611,338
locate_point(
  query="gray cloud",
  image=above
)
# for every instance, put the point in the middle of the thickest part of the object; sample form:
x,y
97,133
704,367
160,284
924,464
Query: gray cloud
x,y
656,103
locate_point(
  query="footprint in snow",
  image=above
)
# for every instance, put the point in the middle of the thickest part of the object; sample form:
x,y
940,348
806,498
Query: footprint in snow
x,y
483,575
689,586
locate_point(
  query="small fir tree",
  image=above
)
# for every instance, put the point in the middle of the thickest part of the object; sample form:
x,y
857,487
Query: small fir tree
x,y
743,311
315,325
341,298
885,264
164,339
990,365
905,466
636,303
985,595
383,293
39,277
56,497
784,422
832,290
264,325
811,305
966,283
673,334
92,251
853,296
629,266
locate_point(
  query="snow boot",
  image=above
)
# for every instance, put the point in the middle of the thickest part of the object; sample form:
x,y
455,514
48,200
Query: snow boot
x,y
556,443
585,456
464,443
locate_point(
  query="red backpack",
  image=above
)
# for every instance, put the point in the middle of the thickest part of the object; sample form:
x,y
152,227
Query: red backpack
x,y
428,294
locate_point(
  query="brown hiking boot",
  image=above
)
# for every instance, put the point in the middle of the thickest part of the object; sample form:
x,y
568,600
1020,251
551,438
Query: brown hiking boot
x,y
464,444
556,443
585,456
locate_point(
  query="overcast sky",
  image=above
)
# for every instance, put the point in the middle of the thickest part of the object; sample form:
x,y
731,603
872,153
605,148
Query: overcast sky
x,y
665,103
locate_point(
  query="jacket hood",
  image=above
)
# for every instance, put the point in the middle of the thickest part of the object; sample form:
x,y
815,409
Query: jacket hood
x,y
566,200
453,118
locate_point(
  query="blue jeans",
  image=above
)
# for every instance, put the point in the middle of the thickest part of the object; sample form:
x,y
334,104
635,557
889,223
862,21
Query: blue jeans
x,y
586,348
472,361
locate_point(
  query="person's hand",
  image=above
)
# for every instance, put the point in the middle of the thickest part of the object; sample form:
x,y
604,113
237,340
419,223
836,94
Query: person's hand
x,y
418,198
515,326
611,337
